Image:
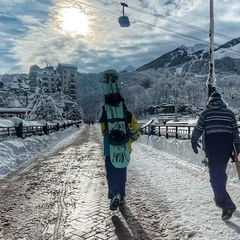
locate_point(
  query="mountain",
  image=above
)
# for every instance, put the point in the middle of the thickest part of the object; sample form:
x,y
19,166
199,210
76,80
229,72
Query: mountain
x,y
195,59
129,69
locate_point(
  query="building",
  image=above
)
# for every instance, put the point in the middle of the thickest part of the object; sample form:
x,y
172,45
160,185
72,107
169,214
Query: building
x,y
68,74
63,78
49,79
32,75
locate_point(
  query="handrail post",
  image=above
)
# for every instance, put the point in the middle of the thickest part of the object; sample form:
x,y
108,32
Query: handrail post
x,y
19,130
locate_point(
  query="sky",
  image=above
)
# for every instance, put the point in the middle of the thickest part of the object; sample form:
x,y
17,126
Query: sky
x,y
176,174
86,33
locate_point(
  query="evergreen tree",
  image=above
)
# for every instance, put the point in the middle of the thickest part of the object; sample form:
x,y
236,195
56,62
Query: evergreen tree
x,y
75,113
43,107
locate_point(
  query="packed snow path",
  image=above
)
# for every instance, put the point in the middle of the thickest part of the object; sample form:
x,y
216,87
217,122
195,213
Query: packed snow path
x,y
63,195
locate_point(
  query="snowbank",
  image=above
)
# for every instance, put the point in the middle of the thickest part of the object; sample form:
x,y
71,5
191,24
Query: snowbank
x,y
182,150
16,153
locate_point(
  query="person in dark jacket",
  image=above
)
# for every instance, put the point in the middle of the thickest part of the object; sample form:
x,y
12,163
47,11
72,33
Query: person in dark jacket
x,y
219,128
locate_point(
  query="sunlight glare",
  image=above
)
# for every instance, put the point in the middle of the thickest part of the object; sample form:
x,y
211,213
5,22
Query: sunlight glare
x,y
75,21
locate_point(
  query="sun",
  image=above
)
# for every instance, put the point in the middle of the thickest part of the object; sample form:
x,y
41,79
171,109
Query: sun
x,y
74,21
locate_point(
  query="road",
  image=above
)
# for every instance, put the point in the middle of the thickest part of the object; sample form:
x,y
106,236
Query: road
x,y
63,195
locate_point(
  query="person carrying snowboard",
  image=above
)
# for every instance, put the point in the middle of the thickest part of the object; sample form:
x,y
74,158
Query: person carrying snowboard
x,y
117,177
219,128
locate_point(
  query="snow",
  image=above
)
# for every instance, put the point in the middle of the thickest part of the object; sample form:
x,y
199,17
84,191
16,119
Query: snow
x,y
177,175
197,47
232,52
179,70
17,152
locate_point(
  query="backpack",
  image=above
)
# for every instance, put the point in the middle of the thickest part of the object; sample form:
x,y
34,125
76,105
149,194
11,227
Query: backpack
x,y
116,136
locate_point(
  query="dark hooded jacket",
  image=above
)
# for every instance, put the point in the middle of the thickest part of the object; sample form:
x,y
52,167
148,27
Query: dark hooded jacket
x,y
217,118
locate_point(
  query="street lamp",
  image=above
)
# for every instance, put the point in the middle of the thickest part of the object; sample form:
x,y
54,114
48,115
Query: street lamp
x,y
124,20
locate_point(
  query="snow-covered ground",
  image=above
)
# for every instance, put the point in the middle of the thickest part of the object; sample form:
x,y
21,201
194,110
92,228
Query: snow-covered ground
x,y
177,177
17,152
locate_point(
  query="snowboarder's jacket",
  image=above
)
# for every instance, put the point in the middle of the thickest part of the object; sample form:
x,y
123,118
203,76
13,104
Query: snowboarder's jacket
x,y
216,118
132,123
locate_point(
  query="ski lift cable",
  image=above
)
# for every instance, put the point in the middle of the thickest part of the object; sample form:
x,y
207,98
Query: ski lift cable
x,y
184,24
200,29
234,52
140,22
174,33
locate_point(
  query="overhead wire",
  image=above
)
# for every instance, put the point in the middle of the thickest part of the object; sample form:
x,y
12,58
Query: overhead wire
x,y
147,25
184,36
170,32
194,27
200,29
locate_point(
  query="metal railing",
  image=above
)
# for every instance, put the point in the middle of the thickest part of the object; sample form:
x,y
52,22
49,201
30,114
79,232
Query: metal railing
x,y
178,132
23,131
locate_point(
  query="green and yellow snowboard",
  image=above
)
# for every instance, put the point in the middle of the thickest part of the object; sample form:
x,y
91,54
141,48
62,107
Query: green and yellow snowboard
x,y
117,130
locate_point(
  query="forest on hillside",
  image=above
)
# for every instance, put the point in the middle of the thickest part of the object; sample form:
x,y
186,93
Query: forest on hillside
x,y
145,92
154,88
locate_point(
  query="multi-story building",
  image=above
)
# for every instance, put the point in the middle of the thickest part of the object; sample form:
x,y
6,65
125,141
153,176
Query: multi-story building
x,y
63,78
49,78
68,74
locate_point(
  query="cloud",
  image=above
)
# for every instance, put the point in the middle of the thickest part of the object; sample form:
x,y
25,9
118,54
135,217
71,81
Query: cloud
x,y
32,31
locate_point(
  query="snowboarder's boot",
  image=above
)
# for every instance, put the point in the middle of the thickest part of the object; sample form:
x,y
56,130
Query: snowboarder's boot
x,y
227,212
115,202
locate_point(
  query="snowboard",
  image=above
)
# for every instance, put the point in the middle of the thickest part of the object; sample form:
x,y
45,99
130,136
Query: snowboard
x,y
117,131
143,126
236,160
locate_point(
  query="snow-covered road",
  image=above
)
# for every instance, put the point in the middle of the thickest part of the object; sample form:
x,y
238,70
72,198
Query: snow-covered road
x,y
63,195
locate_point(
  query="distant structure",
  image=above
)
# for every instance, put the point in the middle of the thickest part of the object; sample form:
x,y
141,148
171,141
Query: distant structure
x,y
49,79
68,74
32,75
63,78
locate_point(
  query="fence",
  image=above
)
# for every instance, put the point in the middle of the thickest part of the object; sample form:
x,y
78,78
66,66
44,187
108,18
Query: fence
x,y
180,131
23,131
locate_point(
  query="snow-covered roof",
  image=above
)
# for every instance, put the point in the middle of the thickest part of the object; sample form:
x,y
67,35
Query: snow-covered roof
x,y
24,85
67,65
14,85
48,71
14,104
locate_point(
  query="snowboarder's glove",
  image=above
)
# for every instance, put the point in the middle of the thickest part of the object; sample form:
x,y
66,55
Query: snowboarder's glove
x,y
195,146
134,135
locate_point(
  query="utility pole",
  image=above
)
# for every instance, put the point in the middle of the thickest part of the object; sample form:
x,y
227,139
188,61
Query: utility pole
x,y
211,77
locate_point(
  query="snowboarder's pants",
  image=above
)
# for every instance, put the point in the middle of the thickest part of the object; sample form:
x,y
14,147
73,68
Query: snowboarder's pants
x,y
218,149
116,178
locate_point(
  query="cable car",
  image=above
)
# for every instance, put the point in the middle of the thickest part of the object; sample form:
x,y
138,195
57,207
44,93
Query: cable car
x,y
124,20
